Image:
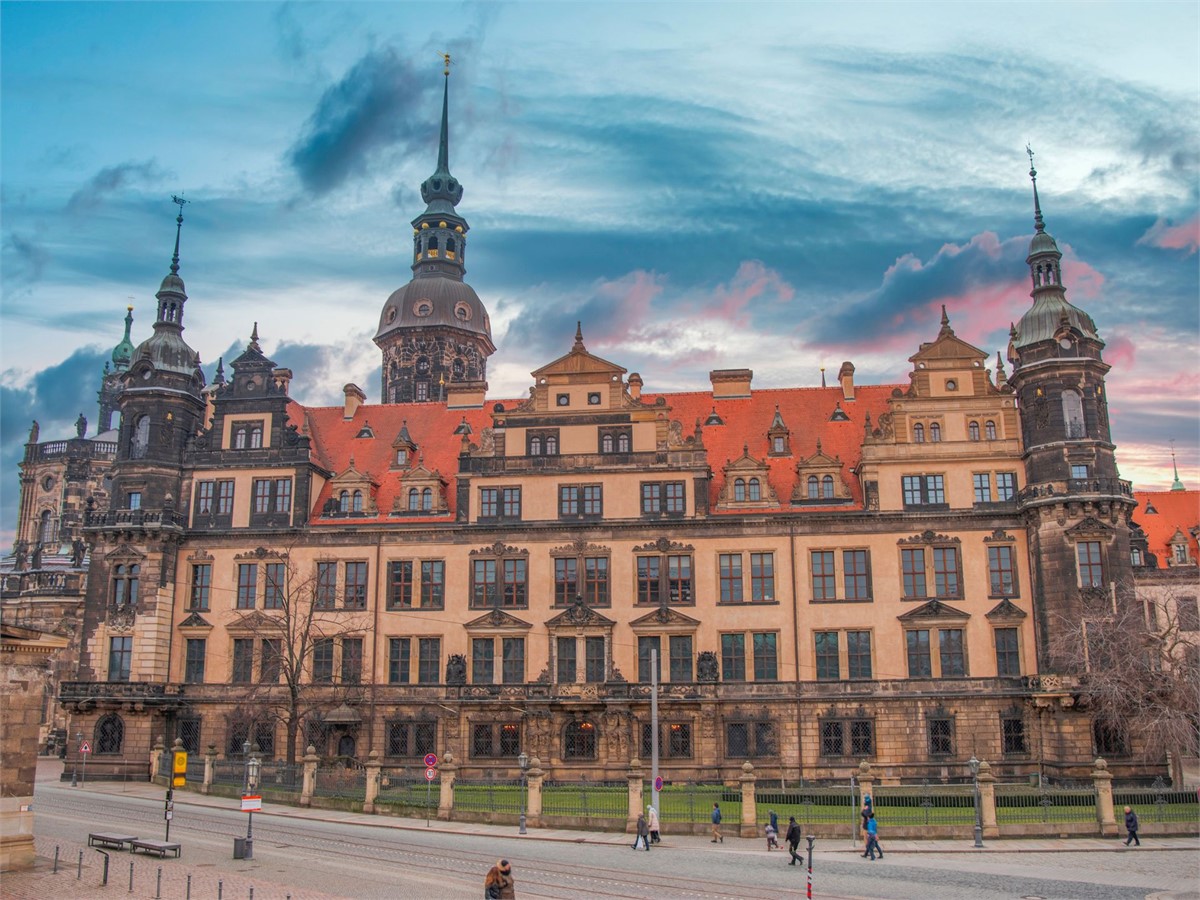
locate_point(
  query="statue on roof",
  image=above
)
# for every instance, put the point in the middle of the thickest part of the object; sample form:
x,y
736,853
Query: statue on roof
x,y
81,425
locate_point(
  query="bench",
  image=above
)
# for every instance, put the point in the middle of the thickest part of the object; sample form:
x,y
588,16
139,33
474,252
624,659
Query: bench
x,y
117,841
162,848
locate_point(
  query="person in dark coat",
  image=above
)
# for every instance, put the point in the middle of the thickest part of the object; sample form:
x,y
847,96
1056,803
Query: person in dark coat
x,y
1131,827
716,823
643,832
793,839
499,883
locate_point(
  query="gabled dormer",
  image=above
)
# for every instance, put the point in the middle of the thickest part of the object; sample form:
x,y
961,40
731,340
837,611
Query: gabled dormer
x,y
819,481
404,448
422,492
747,485
949,367
578,382
779,437
353,494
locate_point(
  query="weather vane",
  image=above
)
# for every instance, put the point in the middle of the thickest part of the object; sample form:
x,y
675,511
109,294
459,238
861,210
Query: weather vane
x,y
179,201
446,62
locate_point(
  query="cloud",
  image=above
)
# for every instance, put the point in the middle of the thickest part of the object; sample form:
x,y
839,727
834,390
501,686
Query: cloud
x,y
27,258
1184,236
372,109
110,180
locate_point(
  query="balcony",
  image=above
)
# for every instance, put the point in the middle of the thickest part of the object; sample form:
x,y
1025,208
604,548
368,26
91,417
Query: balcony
x,y
75,449
583,462
153,519
1075,487
149,693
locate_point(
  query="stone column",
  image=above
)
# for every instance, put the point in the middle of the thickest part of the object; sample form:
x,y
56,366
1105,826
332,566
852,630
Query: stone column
x,y
1105,814
373,767
156,756
749,825
210,759
987,800
448,769
866,783
634,776
309,784
533,778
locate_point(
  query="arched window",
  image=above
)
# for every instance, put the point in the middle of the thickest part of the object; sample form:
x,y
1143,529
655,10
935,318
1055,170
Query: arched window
x,y
110,734
814,487
918,433
344,501
140,442
579,741
989,430
433,243
606,444
414,500
973,431
125,585
551,445
622,443
256,435
357,499
827,487
739,489
46,529
935,432
1072,405
458,368
427,499
535,446
450,245
755,489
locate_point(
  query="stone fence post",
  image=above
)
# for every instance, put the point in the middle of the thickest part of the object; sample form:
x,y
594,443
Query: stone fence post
x,y
210,759
634,777
308,785
866,784
448,769
987,800
1105,814
533,780
749,824
373,767
156,759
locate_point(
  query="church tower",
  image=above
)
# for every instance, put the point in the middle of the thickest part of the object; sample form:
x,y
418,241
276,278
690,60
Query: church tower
x,y
111,383
1075,504
434,332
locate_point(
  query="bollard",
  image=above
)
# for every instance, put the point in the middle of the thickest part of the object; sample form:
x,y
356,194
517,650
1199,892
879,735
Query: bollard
x,y
811,840
251,892
131,878
220,889
103,853
79,871
158,885
55,872
189,887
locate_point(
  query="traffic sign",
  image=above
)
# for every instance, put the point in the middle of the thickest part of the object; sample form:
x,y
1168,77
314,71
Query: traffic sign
x,y
85,747
430,774
430,759
658,783
251,803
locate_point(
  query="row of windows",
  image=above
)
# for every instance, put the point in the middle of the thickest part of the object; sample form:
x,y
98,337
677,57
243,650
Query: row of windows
x,y
930,490
973,431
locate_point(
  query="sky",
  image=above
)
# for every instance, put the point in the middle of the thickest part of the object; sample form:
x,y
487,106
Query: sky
x,y
779,186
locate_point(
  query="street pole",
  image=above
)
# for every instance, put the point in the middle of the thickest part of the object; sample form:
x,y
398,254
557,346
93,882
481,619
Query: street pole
x,y
75,762
973,763
811,839
523,762
654,727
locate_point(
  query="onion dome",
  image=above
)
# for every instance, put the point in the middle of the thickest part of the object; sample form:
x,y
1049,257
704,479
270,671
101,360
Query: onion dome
x,y
123,352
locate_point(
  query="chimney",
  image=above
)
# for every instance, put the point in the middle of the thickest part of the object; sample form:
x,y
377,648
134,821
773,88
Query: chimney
x,y
354,399
465,394
283,378
730,383
635,386
846,377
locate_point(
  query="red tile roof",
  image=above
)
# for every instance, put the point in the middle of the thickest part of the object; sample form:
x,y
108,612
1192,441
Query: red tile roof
x,y
1176,510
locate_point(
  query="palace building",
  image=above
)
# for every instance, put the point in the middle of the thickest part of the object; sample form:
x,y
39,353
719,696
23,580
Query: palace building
x,y
824,575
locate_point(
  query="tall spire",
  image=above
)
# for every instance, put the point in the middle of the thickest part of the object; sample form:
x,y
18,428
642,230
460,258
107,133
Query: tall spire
x,y
172,294
1176,485
440,191
179,201
1038,223
444,140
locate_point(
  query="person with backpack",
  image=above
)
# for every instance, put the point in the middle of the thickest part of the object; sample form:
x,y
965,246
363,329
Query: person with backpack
x,y
499,883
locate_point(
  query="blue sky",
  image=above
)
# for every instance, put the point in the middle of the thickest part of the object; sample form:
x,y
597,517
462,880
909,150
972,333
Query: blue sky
x,y
781,186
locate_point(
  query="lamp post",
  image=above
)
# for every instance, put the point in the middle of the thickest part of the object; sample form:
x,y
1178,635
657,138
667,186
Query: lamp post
x,y
253,763
75,764
973,763
523,762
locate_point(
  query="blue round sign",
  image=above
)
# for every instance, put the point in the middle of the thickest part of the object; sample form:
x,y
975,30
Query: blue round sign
x,y
658,783
430,759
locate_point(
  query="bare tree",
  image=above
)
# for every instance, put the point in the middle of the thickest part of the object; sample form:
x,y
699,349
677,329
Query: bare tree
x,y
1138,660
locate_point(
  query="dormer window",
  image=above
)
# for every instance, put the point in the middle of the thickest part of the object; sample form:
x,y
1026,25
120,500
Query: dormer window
x,y
778,445
356,501
402,457
344,501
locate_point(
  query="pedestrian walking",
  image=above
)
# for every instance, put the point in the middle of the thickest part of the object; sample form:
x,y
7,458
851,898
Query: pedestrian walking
x,y
774,820
865,813
873,838
1131,827
652,821
716,823
499,883
793,839
772,838
643,832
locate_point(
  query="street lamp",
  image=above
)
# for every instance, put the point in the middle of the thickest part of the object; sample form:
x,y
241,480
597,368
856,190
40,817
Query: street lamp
x,y
75,764
523,762
973,763
253,763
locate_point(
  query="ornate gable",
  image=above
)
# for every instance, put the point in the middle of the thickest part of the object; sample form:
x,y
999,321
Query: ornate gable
x,y
195,621
499,549
746,484
422,492
579,615
819,481
255,621
1089,527
353,492
665,620
664,545
124,552
497,620
934,610
1006,609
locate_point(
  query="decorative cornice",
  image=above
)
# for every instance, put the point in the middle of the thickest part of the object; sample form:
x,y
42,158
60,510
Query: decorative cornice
x,y
500,549
929,537
934,609
662,545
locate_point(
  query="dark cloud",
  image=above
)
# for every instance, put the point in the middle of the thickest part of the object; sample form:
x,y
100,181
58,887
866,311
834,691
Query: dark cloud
x,y
110,180
27,259
373,108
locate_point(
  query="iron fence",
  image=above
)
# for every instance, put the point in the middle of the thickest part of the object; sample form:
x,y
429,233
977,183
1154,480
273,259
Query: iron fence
x,y
406,787
229,771
279,777
1157,803
830,804
925,804
693,803
195,769
342,782
490,795
1017,804
586,799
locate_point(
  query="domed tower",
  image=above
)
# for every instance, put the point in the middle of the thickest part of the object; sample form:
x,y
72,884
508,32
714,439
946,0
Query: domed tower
x,y
111,384
435,331
1076,506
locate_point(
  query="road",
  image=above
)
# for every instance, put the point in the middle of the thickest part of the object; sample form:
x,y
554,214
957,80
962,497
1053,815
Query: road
x,y
302,856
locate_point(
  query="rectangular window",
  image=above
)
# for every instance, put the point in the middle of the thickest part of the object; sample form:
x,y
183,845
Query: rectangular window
x,y
399,652
951,653
283,495
766,656
429,658
945,572
593,500
912,566
512,669
919,663
762,577
679,740
649,576
484,586
576,500
270,661
433,583
1012,736
489,500
941,736
193,666
862,737
733,657
729,567
565,660
1078,472
1008,656
1091,567
224,498
858,654
566,580
645,670
322,672
400,584
923,490
205,492
827,656
1006,486
133,500
679,579
515,584
737,739
243,661
352,660
595,669
681,658
651,498
355,594
414,739
824,577
833,740
1187,614
274,586
856,565
262,495
483,658
1002,572
510,503
510,739
247,586
201,586
595,570
673,499
663,497
326,595
982,483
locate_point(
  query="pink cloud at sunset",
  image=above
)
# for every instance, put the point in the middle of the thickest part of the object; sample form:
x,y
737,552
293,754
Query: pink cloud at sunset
x,y
1184,236
1119,351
